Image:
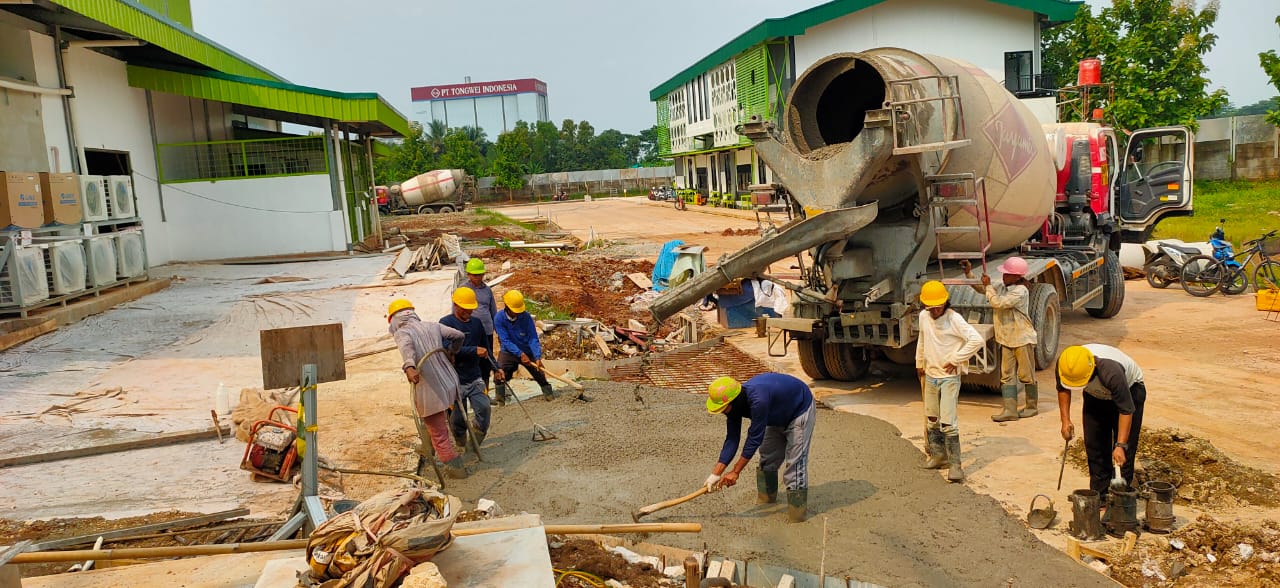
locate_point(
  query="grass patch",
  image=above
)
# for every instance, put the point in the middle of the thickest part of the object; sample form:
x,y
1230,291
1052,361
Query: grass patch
x,y
1251,208
493,218
547,311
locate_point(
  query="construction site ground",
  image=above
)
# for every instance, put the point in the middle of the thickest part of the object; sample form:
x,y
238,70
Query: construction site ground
x,y
1209,363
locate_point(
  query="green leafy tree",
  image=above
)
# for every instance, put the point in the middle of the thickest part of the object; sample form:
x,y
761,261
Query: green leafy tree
x,y
409,157
648,154
1271,65
460,152
568,158
1260,107
435,134
510,158
1152,52
546,147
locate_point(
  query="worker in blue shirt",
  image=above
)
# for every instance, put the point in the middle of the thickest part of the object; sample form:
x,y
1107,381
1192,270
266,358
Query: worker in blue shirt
x,y
518,337
472,362
782,413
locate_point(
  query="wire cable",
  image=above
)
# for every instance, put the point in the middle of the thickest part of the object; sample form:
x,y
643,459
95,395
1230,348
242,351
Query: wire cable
x,y
190,193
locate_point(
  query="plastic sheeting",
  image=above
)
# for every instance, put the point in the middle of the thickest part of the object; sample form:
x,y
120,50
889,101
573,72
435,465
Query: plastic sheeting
x,y
130,254
69,274
666,259
102,260
27,272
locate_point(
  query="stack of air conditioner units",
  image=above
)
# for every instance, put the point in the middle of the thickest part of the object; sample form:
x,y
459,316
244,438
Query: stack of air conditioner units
x,y
101,252
24,280
67,273
131,254
93,198
120,197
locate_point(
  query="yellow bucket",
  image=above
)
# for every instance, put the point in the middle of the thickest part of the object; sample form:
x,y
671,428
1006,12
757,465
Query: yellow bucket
x,y
1269,300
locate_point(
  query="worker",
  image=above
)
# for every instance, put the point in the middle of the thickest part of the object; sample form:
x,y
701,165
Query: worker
x,y
1114,395
782,413
472,362
426,349
944,346
1015,333
518,336
487,310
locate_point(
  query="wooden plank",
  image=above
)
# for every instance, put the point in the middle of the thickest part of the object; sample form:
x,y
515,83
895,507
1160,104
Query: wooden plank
x,y
402,261
641,280
285,351
108,535
604,347
23,335
161,440
17,548
500,279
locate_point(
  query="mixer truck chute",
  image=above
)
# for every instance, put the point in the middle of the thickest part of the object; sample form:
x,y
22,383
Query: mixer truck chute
x,y
437,191
907,166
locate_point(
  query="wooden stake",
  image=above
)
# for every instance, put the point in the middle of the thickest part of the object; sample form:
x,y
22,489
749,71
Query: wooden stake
x,y
692,572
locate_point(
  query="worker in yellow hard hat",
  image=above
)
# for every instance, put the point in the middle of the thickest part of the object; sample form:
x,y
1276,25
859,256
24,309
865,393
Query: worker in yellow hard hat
x,y
486,308
782,412
471,362
943,347
518,336
425,349
1114,395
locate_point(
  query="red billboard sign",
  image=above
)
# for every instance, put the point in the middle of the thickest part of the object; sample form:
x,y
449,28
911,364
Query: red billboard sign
x,y
478,89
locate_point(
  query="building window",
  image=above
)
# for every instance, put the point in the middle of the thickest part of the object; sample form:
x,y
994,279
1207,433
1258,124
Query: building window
x,y
1018,75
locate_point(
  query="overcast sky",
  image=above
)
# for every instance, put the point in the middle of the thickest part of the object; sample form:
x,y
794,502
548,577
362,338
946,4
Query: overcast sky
x,y
599,58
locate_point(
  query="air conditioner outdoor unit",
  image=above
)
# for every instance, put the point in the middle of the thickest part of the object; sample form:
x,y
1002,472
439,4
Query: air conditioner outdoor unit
x,y
130,254
93,198
120,197
67,273
24,280
101,251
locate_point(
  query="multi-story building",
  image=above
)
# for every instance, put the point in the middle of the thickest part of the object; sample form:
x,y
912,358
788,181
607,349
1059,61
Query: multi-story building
x,y
751,75
494,106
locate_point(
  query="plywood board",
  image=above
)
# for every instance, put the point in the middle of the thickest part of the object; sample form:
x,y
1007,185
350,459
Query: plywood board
x,y
285,351
641,280
239,570
498,560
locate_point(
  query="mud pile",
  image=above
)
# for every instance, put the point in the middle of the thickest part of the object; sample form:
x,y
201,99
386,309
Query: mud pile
x,y
1206,553
592,558
581,288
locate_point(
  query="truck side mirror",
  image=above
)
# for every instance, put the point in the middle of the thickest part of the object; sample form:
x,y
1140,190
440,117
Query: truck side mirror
x,y
1137,154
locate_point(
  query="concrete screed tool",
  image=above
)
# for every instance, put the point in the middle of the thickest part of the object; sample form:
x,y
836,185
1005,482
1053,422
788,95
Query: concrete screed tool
x,y
540,433
652,508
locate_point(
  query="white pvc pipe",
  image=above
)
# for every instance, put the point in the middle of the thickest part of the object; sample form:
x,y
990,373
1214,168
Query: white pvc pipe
x,y
12,84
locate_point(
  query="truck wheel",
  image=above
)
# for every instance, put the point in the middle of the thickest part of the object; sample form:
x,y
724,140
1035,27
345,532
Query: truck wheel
x,y
1046,318
424,209
1112,287
845,362
811,361
446,209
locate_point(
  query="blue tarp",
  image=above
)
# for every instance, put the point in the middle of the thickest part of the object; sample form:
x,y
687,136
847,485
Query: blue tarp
x,y
662,268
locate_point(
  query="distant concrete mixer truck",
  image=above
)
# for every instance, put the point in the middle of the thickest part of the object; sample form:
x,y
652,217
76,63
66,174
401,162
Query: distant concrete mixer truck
x,y
905,166
437,191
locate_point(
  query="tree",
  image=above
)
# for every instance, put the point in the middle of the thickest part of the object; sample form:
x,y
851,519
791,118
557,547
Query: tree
x,y
1260,107
460,152
411,156
649,149
1271,65
1152,52
510,158
545,147
435,134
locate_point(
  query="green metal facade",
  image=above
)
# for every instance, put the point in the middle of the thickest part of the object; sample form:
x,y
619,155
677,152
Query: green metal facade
x,y
175,10
664,126
753,82
339,106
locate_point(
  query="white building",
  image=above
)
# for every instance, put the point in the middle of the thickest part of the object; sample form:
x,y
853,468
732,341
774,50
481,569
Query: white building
x,y
127,87
752,74
493,106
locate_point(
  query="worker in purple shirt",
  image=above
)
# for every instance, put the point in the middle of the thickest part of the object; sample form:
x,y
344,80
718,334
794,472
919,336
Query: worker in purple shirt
x,y
782,413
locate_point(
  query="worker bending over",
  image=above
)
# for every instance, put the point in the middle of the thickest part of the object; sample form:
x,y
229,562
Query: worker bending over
x,y
473,367
944,346
518,336
427,350
1114,396
782,413
1011,302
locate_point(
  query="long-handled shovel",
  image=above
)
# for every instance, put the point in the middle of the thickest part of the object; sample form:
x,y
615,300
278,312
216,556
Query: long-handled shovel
x,y
540,433
652,508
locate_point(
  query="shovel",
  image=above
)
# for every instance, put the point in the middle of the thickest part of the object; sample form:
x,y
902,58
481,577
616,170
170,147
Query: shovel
x,y
1117,483
652,508
540,433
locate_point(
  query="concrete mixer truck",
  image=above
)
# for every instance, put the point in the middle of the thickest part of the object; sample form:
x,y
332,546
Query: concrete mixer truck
x,y
907,165
437,191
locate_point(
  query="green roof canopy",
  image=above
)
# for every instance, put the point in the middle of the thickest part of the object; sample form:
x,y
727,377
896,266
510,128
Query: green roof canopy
x,y
367,113
798,23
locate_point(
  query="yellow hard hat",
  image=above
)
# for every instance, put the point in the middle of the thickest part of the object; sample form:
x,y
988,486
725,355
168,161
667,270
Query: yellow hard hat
x,y
466,298
720,393
1075,366
933,293
514,301
398,305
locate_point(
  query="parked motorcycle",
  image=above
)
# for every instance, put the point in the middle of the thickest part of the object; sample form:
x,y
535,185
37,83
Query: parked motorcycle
x,y
1165,260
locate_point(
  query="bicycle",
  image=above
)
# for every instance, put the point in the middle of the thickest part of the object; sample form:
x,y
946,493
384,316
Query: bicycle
x,y
1203,275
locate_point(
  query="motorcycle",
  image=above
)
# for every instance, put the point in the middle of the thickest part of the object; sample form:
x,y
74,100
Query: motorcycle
x,y
1225,252
1164,262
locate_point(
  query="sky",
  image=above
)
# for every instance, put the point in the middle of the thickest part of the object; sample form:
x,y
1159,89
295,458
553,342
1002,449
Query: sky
x,y
599,58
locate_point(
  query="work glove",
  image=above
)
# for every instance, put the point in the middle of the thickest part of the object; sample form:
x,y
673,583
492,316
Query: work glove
x,y
711,482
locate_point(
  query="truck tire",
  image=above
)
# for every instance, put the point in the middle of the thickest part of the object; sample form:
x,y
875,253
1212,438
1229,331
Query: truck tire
x,y
446,209
1046,317
1112,287
845,362
425,209
810,352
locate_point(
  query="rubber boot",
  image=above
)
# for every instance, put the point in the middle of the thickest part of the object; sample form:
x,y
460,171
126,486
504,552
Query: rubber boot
x,y
455,468
478,435
955,474
1033,402
547,393
500,394
797,504
1009,394
937,450
766,486
460,443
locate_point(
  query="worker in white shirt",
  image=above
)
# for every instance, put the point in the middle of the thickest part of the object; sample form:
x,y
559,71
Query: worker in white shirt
x,y
1011,303
943,348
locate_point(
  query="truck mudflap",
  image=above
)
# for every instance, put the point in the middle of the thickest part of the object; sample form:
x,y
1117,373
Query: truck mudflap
x,y
806,234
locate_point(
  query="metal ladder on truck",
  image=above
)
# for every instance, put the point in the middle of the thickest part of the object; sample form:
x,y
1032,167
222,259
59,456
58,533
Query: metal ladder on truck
x,y
947,194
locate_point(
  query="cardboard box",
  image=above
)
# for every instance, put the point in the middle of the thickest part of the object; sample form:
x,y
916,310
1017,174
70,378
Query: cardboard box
x,y
60,194
20,204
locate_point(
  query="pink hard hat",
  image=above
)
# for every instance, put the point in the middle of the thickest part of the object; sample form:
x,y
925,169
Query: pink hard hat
x,y
1014,265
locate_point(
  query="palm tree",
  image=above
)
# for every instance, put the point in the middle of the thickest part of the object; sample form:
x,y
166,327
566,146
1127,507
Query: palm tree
x,y
435,134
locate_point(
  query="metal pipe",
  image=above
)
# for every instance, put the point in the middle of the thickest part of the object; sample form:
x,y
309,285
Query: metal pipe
x,y
21,86
76,167
155,146
87,44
